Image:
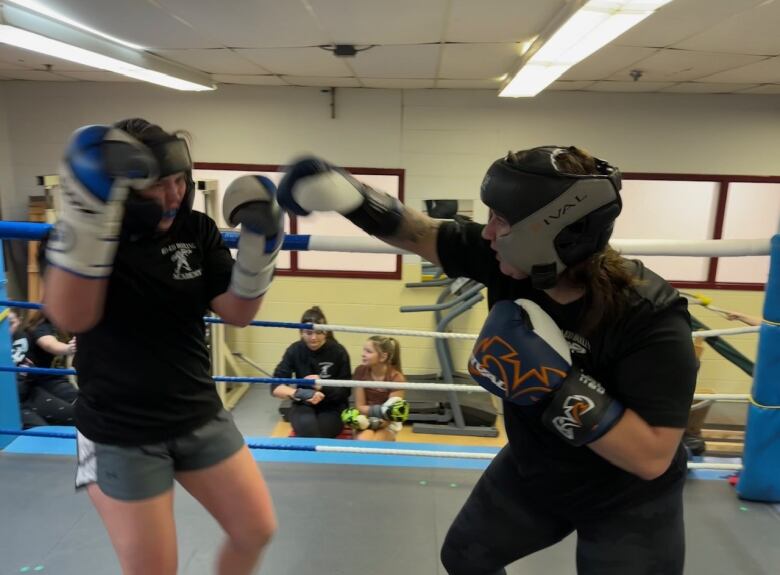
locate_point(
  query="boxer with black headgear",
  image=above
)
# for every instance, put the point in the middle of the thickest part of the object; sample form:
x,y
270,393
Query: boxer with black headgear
x,y
557,219
171,152
590,352
134,270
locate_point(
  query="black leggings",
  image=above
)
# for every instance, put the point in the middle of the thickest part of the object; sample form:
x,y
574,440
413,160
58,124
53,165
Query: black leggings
x,y
309,421
48,403
494,529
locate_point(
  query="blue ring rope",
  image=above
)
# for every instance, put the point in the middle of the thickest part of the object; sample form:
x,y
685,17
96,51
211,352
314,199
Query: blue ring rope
x,y
220,378
207,319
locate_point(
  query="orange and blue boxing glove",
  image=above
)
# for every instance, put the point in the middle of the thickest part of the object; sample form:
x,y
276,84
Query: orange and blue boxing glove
x,y
522,357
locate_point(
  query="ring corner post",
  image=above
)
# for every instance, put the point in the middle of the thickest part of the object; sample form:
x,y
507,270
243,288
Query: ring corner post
x,y
760,480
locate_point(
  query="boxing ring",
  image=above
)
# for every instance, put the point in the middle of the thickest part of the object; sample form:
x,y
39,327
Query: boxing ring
x,y
371,507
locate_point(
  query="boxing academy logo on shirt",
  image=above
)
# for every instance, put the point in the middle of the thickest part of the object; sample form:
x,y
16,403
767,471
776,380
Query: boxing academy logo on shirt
x,y
325,369
19,349
180,256
577,343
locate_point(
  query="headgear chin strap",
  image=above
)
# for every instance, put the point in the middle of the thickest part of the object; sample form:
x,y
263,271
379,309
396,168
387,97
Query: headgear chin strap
x,y
557,219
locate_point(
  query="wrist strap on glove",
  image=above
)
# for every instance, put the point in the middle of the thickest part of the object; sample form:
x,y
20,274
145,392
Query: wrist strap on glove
x,y
581,411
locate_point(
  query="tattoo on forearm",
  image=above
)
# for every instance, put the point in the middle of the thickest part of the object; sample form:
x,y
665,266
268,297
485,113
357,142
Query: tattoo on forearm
x,y
416,227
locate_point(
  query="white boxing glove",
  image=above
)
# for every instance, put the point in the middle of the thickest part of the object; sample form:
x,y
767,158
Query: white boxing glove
x,y
251,202
100,166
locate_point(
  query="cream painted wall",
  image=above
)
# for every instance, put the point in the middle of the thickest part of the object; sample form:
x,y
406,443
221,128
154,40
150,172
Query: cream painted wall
x,y
443,139
357,303
9,201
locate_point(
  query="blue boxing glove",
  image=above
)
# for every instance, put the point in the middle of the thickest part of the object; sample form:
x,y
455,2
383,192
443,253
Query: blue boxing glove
x,y
251,202
313,185
101,165
522,356
302,394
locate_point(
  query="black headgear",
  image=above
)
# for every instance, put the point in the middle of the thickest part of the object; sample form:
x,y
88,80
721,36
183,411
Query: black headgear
x,y
173,156
557,219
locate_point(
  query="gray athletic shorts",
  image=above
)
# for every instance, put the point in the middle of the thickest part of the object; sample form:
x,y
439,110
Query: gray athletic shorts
x,y
140,472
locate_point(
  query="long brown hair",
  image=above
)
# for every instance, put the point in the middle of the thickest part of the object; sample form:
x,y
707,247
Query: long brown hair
x,y
606,278
606,275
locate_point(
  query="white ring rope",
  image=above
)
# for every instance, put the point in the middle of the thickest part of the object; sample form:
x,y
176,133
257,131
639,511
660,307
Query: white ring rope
x,y
723,466
474,388
729,331
392,331
692,248
418,453
472,336
419,386
476,455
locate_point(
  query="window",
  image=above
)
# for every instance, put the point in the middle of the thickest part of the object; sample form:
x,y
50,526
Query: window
x,y
311,263
702,207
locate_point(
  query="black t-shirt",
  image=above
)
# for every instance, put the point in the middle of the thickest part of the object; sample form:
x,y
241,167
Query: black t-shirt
x,y
39,356
25,347
20,346
144,370
331,361
644,359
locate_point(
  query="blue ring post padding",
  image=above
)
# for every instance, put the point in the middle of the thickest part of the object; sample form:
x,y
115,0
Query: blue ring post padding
x,y
760,479
10,416
772,298
23,230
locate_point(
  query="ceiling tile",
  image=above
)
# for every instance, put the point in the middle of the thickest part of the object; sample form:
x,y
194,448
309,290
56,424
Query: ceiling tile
x,y
764,72
499,20
297,61
214,61
706,88
37,75
606,62
35,60
380,21
257,80
673,65
418,61
322,81
567,85
765,89
140,22
609,86
97,76
251,23
398,83
478,60
469,84
752,31
681,19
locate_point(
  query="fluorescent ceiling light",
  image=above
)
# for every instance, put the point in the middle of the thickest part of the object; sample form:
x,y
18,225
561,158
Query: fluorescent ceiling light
x,y
34,32
572,37
46,11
